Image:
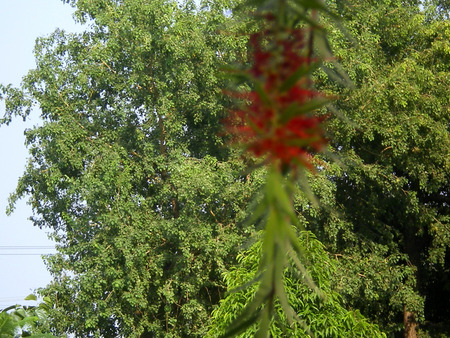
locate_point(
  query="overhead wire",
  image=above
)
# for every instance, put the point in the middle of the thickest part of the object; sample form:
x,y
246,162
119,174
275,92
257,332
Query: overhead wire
x,y
19,247
25,247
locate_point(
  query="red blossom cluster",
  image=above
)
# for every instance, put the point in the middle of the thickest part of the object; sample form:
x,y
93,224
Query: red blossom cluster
x,y
275,122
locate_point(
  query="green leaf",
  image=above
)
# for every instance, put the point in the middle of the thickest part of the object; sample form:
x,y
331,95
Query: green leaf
x,y
248,284
312,4
264,322
242,325
297,110
262,93
31,297
249,314
298,74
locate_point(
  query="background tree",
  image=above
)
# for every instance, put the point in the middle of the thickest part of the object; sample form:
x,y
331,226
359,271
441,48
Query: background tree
x,y
389,227
128,169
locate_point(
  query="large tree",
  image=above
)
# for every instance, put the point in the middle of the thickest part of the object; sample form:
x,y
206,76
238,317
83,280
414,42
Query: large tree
x,y
128,168
391,196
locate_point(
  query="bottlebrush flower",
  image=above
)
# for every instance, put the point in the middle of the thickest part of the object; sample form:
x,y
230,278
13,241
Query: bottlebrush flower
x,y
278,122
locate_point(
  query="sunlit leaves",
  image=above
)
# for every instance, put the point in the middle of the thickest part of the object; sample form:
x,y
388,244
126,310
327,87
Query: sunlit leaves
x,y
143,224
321,316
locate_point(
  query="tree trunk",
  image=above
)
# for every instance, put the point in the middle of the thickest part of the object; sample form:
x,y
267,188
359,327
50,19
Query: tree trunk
x,y
410,324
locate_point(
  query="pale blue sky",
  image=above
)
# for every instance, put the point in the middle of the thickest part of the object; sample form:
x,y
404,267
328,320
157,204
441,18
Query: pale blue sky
x,y
21,22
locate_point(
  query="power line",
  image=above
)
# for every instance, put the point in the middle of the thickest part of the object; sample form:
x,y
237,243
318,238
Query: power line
x,y
16,248
26,254
12,298
24,247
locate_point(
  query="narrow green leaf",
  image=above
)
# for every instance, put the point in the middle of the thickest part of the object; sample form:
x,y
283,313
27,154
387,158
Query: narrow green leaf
x,y
256,212
297,110
247,316
304,184
271,233
262,93
338,74
246,285
302,16
308,280
298,74
279,286
264,323
312,4
242,325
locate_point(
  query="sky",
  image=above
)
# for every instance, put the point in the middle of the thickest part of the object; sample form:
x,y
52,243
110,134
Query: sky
x,y
21,244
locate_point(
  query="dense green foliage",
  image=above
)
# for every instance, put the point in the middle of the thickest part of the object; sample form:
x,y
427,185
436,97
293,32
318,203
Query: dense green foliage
x,y
384,203
127,168
130,171
391,197
320,313
26,321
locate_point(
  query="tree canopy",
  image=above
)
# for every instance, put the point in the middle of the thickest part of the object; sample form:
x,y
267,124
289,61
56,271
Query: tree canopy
x,y
128,169
392,194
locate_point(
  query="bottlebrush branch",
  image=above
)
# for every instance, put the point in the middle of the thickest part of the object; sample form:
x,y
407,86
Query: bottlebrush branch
x,y
278,121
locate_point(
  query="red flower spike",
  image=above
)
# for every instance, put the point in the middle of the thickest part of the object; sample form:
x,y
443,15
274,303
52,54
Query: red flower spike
x,y
259,126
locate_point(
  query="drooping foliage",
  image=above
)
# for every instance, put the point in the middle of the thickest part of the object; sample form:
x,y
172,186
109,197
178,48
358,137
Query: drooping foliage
x,y
278,124
320,313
